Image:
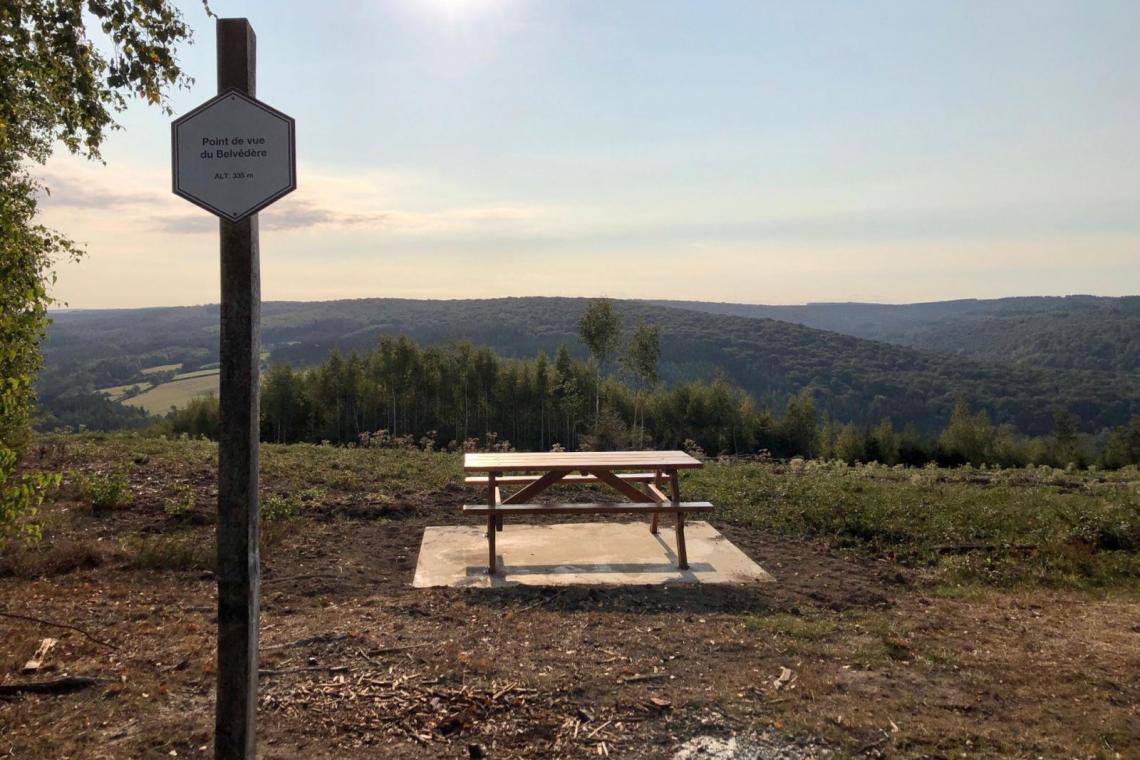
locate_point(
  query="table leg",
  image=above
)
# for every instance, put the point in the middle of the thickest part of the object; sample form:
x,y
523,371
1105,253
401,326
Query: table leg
x,y
679,521
658,480
494,522
491,569
675,485
498,496
682,555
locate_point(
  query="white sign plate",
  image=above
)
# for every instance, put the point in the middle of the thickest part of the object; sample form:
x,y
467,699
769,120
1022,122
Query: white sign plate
x,y
234,155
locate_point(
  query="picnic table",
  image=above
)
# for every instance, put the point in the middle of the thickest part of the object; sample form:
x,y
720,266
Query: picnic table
x,y
533,473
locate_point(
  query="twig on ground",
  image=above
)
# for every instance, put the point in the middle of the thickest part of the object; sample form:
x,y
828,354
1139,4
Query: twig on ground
x,y
872,745
403,648
646,677
960,548
313,669
318,639
32,619
502,691
307,576
541,602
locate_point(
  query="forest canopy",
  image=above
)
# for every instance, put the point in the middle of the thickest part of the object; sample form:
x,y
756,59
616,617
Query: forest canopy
x,y
457,396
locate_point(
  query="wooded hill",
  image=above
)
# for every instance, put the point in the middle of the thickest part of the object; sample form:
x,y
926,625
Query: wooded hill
x,y
1071,332
853,379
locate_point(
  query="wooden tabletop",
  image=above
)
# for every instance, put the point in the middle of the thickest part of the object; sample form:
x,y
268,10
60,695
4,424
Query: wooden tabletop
x,y
579,460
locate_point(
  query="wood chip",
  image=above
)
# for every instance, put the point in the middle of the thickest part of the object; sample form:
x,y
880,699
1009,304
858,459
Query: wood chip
x,y
645,677
37,660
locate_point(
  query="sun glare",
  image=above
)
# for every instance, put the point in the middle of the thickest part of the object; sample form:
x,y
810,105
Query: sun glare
x,y
454,11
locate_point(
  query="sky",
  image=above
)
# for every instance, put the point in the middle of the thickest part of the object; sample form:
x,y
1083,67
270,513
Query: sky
x,y
728,151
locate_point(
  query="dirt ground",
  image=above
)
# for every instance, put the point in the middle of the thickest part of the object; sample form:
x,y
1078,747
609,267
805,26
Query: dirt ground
x,y
841,657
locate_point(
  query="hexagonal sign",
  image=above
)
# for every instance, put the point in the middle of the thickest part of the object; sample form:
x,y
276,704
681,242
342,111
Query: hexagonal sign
x,y
234,155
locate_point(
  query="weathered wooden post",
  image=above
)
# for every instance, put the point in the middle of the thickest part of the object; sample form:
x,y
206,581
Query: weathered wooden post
x,y
234,155
239,351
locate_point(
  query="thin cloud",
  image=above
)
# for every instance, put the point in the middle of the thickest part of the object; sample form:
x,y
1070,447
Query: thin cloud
x,y
69,192
300,215
184,224
304,214
377,203
294,215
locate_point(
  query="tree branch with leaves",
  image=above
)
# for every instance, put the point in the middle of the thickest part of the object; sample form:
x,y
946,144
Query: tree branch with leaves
x,y
58,86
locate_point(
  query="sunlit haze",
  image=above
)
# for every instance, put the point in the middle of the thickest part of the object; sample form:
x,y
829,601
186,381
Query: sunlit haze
x,y
750,152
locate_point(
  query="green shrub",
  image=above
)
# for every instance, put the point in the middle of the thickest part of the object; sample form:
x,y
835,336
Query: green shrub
x,y
275,507
20,498
105,492
310,496
182,501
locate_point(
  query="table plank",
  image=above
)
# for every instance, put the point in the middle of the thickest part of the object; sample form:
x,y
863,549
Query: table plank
x,y
517,480
602,508
578,460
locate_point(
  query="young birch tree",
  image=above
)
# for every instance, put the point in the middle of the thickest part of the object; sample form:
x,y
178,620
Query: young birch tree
x,y
642,357
598,329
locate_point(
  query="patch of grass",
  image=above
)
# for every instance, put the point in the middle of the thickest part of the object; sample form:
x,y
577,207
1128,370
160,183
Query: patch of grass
x,y
107,492
791,626
942,656
177,553
882,638
871,652
970,592
50,558
999,527
1034,526
174,456
364,470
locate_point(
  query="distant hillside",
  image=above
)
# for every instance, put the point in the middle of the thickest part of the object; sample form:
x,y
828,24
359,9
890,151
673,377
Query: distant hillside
x,y
855,379
1072,332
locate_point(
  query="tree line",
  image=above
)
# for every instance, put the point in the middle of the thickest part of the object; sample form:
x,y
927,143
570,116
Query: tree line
x,y
458,396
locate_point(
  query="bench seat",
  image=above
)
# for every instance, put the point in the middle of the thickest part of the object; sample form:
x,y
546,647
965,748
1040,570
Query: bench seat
x,y
617,507
513,480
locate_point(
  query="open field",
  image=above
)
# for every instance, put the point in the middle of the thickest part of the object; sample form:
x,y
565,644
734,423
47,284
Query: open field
x,y
196,373
161,368
116,392
159,399
917,613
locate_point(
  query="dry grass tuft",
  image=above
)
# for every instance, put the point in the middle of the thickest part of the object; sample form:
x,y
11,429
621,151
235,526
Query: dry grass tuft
x,y
51,558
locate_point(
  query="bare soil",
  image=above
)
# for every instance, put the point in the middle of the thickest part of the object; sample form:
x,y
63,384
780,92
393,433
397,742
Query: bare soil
x,y
842,657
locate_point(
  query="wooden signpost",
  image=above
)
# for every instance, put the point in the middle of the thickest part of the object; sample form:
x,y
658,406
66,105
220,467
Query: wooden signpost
x,y
233,156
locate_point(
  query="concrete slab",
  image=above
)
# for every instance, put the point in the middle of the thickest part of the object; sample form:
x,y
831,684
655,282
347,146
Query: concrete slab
x,y
572,554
